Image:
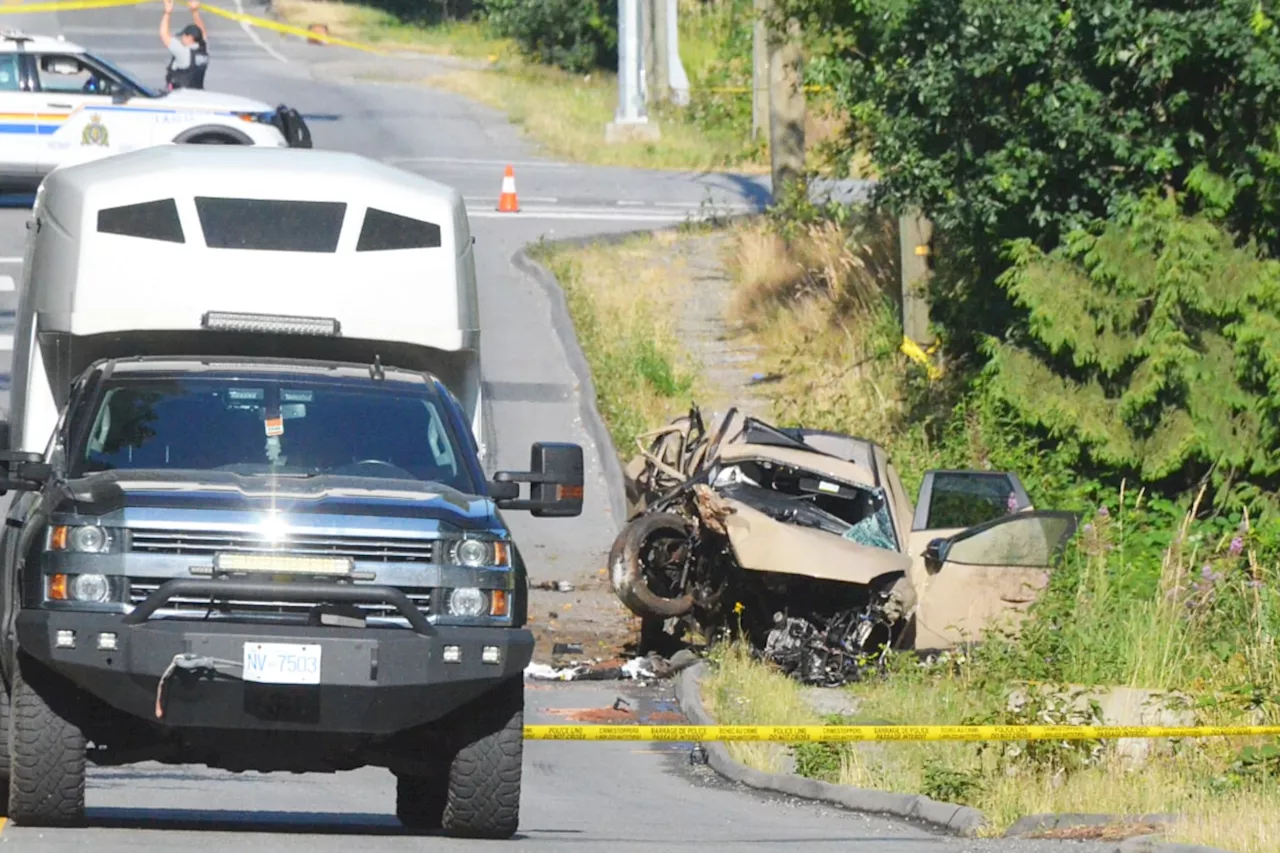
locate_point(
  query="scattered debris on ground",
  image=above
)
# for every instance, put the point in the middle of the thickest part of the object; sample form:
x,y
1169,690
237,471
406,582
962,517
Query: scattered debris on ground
x,y
651,668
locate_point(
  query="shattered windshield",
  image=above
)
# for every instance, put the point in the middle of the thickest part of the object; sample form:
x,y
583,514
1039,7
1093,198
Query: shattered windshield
x,y
876,530
268,424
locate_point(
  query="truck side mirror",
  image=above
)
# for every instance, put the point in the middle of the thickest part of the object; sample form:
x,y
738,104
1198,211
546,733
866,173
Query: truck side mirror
x,y
555,476
20,472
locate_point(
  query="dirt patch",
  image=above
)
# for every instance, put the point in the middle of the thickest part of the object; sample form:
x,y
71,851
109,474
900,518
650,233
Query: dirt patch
x,y
594,715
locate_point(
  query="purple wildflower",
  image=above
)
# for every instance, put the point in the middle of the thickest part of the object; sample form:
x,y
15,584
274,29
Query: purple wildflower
x,y
1088,528
1104,512
1255,584
1207,572
1237,546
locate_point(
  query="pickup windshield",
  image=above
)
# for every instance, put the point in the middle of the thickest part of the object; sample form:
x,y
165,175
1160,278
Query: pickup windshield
x,y
272,425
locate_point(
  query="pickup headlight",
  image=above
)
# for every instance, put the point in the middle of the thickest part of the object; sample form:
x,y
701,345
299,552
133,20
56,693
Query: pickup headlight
x,y
89,588
85,539
479,553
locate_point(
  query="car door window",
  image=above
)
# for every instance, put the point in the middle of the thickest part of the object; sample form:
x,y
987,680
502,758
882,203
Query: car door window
x,y
10,78
1028,540
68,75
951,500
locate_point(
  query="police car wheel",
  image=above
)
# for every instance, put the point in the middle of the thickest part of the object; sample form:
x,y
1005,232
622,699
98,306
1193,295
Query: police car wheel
x,y
47,753
213,139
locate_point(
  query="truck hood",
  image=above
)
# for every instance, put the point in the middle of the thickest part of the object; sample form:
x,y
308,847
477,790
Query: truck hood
x,y
199,99
114,491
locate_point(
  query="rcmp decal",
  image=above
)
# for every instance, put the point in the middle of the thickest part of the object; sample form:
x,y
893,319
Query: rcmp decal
x,y
95,132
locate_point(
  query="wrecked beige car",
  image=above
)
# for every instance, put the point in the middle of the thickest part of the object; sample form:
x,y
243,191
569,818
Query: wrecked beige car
x,y
806,541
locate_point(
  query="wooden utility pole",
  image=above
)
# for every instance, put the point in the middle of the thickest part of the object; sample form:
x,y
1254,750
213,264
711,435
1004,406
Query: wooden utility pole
x,y
786,107
915,236
760,71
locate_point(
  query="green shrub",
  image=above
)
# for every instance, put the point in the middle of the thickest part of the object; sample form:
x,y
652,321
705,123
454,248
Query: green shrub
x,y
576,35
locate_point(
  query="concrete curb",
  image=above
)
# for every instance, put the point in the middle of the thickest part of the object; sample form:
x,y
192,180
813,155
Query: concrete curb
x,y
961,820
563,323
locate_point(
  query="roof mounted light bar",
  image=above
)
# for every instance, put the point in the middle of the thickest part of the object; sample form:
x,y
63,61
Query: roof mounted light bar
x,y
230,321
14,35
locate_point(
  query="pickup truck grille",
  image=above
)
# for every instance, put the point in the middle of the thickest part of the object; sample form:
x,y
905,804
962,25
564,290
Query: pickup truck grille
x,y
210,542
140,588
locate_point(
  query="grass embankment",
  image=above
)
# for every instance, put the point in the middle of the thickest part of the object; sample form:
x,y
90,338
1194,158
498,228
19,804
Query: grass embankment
x,y
355,22
1146,598
623,301
567,113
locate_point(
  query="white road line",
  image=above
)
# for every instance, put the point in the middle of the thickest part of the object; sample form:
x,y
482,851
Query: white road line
x,y
6,342
622,202
10,260
600,216
466,161
244,25
6,283
480,199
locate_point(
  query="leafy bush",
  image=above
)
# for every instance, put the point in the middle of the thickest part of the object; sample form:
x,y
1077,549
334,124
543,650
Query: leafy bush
x,y
576,35
1029,118
1154,344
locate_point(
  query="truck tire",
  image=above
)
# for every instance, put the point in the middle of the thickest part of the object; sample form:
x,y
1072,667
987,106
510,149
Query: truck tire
x,y
420,800
46,758
5,715
483,792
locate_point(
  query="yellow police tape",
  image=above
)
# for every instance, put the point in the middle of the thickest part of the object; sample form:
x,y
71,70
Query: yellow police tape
x,y
837,734
73,5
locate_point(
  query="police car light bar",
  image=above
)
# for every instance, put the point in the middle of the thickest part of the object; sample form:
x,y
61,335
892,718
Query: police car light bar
x,y
228,321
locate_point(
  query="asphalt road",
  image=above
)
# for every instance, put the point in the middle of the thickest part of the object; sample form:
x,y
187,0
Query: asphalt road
x,y
576,796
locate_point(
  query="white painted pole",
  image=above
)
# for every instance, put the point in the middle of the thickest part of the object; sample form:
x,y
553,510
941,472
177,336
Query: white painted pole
x,y
677,79
631,107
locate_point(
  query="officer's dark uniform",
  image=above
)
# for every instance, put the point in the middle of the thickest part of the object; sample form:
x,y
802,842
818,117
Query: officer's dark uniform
x,y
191,77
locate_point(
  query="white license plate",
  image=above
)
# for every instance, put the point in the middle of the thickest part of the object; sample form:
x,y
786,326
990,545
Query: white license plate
x,y
282,663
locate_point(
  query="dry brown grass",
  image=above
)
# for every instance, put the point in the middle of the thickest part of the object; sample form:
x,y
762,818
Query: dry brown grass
x,y
355,22
820,306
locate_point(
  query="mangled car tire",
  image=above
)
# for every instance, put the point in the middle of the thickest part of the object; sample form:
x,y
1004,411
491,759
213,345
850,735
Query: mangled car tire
x,y
628,564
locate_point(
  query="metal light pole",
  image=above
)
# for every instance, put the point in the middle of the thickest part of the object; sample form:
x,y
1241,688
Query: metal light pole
x,y
631,119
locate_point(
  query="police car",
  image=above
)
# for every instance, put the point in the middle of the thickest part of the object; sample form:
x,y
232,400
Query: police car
x,y
61,104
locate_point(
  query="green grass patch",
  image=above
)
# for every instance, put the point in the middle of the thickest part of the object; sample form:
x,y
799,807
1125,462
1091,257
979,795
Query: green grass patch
x,y
367,24
622,300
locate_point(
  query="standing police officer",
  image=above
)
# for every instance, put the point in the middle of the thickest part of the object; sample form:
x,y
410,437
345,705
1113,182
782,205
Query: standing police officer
x,y
189,50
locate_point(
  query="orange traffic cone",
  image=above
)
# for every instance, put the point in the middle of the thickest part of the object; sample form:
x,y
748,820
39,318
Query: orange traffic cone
x,y
507,202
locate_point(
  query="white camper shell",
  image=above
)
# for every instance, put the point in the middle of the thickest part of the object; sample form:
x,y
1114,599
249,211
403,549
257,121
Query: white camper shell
x,y
165,250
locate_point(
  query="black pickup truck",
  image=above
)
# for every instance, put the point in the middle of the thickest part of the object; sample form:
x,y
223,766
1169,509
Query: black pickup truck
x,y
269,565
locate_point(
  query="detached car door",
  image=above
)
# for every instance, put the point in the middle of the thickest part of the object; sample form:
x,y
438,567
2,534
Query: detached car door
x,y
981,554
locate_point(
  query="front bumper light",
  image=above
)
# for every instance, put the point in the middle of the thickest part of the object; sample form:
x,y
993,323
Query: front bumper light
x,y
85,539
